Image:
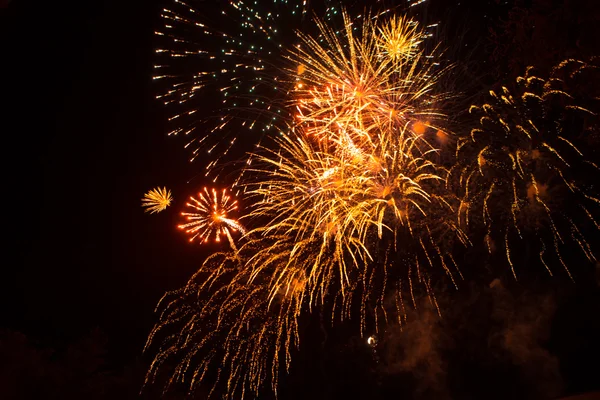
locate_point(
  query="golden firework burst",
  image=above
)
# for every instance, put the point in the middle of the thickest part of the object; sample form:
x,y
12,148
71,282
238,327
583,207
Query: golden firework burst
x,y
363,82
157,200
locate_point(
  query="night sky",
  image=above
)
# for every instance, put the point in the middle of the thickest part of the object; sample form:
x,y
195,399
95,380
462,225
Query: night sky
x,y
84,139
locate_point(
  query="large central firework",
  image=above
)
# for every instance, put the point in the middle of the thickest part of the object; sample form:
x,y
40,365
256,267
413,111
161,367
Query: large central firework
x,y
353,178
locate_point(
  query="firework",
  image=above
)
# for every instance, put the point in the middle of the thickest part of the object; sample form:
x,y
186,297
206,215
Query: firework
x,y
233,54
326,202
361,83
156,200
348,209
318,212
219,305
211,216
323,211
525,171
372,341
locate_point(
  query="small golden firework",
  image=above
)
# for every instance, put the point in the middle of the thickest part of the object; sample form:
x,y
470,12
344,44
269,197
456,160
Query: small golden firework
x,y
156,200
400,38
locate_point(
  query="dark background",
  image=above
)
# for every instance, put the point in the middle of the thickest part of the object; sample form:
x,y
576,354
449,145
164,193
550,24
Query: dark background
x,y
83,139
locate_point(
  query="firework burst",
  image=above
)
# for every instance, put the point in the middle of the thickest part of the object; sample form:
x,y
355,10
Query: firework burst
x,y
236,54
211,217
320,215
323,211
349,210
157,200
378,78
525,172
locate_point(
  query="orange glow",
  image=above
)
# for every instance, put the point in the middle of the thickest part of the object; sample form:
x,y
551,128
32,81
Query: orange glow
x,y
534,189
419,128
442,137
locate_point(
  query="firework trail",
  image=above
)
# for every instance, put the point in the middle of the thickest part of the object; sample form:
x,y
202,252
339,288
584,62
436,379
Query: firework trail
x,y
525,171
211,217
157,200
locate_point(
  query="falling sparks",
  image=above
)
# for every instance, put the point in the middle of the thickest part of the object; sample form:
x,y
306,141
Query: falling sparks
x,y
517,167
221,304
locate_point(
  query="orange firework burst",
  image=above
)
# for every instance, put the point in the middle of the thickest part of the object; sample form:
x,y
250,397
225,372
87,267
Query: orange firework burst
x,y
375,78
210,217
